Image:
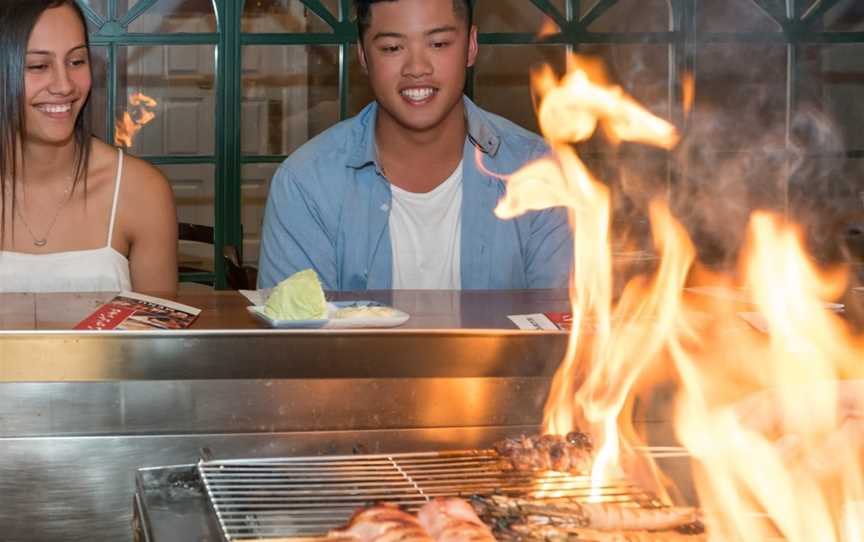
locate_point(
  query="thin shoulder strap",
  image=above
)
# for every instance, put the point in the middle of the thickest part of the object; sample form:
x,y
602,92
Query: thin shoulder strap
x,y
116,195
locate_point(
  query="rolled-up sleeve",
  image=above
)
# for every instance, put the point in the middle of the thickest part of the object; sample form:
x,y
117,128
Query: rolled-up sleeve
x,y
295,235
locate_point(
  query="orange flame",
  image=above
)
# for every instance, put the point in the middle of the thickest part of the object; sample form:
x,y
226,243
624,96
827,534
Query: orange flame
x,y
789,462
570,111
549,28
688,93
126,128
773,421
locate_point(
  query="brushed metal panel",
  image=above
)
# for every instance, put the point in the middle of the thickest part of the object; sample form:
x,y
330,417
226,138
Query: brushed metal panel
x,y
64,357
248,406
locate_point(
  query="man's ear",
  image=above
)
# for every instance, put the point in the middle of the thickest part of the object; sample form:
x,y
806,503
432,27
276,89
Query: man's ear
x,y
472,46
361,55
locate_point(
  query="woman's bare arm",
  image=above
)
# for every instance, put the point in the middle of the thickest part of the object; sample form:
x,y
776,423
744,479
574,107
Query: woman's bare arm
x,y
150,219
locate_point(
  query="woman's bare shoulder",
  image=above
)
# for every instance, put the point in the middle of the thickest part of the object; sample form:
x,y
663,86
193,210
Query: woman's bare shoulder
x,y
143,176
140,179
142,184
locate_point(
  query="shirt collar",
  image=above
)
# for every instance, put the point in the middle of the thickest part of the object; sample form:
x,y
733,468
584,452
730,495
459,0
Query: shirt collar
x,y
481,133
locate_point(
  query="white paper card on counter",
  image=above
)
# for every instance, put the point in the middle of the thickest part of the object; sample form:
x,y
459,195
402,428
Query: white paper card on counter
x,y
533,321
257,297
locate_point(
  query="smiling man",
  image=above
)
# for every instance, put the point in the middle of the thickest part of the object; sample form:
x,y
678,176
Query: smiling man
x,y
400,196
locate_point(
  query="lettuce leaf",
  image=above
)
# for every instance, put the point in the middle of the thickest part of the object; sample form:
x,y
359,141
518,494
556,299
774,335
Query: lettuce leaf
x,y
299,297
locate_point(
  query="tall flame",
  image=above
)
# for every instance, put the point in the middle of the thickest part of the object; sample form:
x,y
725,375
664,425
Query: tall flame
x,y
126,128
772,420
570,111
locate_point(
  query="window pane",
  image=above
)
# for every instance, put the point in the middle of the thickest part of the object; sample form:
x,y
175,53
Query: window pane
x,y
255,185
502,81
633,16
740,105
827,193
734,16
832,79
99,6
179,79
846,16
98,95
511,15
827,199
290,94
360,94
173,16
830,187
123,6
193,193
283,16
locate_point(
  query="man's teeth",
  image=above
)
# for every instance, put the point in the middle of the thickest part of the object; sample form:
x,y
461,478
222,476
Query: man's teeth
x,y
62,108
418,94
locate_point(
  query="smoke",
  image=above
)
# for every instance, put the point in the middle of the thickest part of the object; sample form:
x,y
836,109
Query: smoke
x,y
743,149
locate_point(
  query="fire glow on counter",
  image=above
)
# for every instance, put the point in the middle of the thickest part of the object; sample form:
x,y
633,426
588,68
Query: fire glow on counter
x,y
768,418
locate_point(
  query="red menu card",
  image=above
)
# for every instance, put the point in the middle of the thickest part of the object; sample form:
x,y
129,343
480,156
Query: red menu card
x,y
131,311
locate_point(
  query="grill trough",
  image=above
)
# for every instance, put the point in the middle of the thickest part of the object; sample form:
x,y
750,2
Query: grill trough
x,y
307,496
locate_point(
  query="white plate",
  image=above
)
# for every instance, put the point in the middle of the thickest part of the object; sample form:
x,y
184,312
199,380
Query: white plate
x,y
334,323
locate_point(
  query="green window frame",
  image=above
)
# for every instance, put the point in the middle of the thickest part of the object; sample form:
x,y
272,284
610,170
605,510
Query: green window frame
x,y
800,24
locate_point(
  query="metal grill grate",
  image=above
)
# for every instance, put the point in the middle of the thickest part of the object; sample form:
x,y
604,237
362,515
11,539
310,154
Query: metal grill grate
x,y
307,496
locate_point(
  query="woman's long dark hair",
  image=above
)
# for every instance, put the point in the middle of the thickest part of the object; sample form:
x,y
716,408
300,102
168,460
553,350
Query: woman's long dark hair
x,y
17,19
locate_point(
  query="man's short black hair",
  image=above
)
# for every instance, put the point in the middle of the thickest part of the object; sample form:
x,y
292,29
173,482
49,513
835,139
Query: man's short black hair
x,y
363,9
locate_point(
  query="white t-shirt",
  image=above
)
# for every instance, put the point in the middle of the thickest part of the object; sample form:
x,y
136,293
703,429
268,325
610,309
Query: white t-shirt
x,y
425,232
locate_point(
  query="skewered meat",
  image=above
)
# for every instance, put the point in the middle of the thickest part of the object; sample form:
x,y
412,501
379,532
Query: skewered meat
x,y
596,516
609,516
383,523
530,532
453,520
571,453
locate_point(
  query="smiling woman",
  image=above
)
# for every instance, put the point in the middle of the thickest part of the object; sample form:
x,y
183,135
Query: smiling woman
x,y
76,214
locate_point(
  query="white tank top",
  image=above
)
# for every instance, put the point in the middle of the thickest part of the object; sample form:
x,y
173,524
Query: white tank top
x,y
95,270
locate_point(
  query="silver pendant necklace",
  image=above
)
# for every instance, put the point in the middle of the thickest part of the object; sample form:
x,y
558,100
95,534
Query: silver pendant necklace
x,y
42,241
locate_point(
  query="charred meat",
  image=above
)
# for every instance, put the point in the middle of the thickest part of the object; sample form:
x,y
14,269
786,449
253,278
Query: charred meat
x,y
571,453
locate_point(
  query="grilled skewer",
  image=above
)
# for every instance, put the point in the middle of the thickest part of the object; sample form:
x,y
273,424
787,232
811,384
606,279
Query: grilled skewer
x,y
572,453
551,533
597,516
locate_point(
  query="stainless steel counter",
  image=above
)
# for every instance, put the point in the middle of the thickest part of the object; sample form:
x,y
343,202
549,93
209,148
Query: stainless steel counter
x,y
80,413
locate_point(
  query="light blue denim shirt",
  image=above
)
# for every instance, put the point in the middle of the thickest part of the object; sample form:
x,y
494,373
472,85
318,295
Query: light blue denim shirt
x,y
329,207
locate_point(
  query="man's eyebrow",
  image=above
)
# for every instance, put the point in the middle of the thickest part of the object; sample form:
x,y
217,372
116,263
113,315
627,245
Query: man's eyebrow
x,y
437,30
41,52
441,29
380,35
